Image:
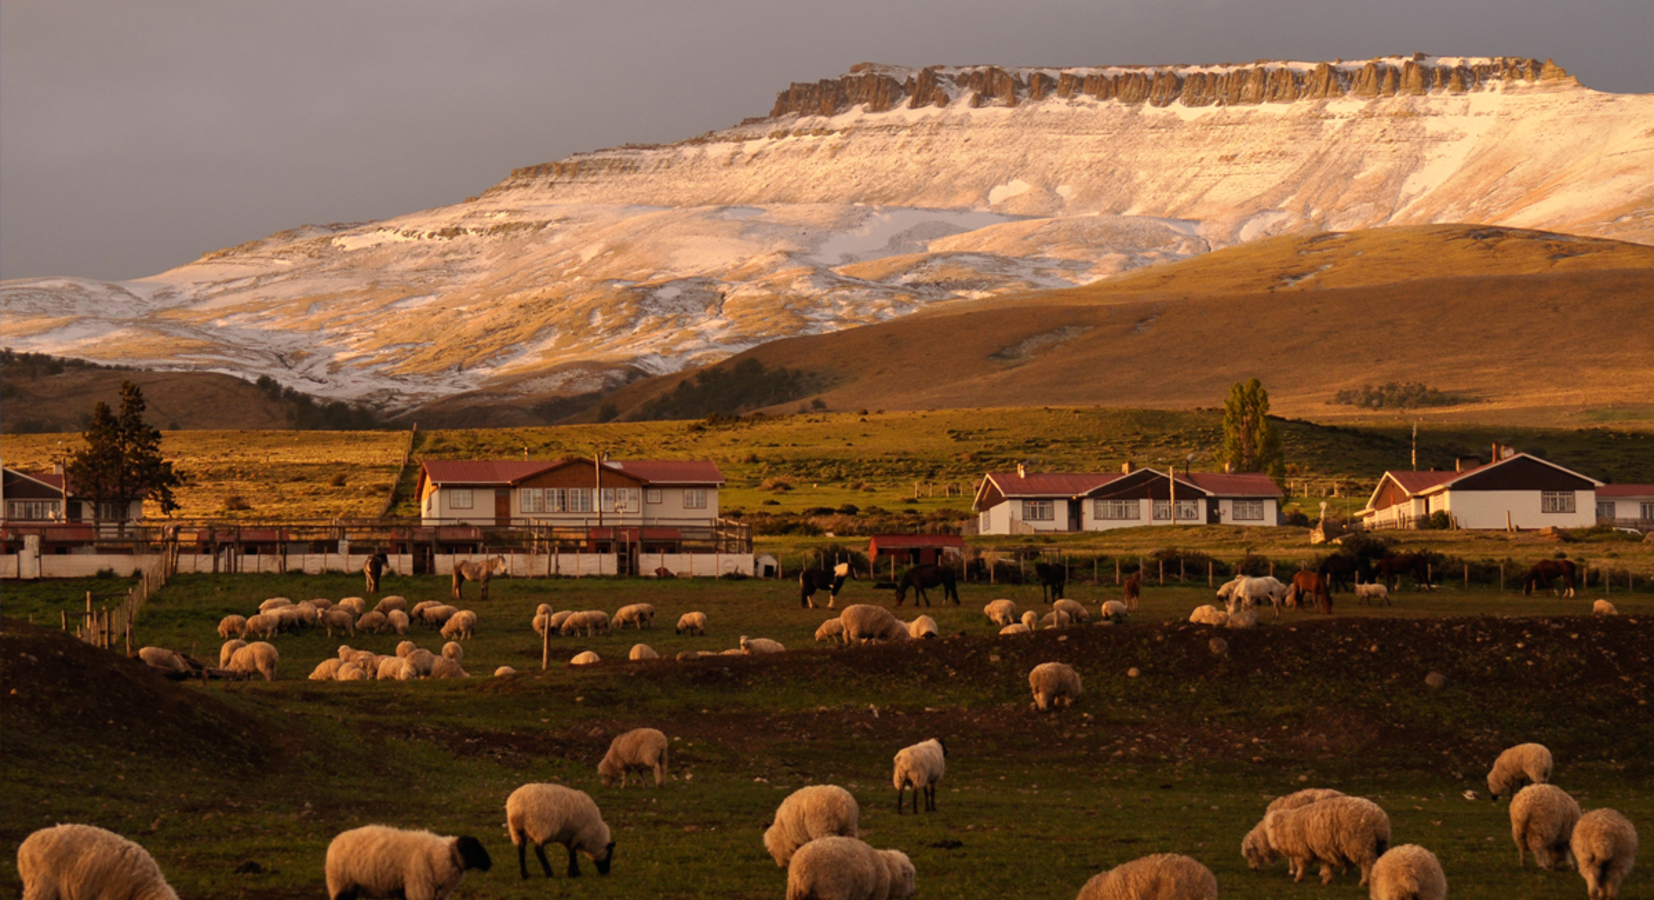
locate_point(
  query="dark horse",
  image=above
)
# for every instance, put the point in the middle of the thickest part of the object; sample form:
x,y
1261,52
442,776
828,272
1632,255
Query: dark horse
x,y
812,580
1343,570
921,577
1053,577
1539,577
373,569
1391,568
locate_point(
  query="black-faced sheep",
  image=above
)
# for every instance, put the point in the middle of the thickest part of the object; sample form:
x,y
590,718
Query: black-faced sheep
x,y
84,862
1542,819
919,767
379,861
1163,876
1408,872
1605,849
692,623
922,628
845,868
1054,684
541,814
816,811
638,750
1520,765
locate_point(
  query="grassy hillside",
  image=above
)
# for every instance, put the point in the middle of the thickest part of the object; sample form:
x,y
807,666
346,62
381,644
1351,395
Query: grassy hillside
x,y
1530,327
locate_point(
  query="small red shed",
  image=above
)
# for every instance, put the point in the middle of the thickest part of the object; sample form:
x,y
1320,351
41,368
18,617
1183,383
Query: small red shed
x,y
917,549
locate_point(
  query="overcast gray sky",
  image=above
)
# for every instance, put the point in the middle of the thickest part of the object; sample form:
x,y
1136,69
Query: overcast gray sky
x,y
135,136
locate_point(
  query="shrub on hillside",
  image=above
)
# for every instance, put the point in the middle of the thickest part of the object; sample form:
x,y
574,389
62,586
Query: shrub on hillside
x,y
1396,395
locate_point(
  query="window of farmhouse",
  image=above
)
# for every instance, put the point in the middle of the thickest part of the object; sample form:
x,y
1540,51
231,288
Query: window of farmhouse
x,y
1249,510
1605,509
694,498
1038,511
1187,510
1117,509
1648,511
652,495
543,500
621,500
35,510
579,500
460,498
1556,501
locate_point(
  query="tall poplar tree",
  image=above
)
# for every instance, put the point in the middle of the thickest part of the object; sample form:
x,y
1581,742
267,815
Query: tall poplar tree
x,y
122,459
1251,442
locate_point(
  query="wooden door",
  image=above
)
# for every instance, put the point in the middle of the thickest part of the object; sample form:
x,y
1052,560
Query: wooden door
x,y
502,507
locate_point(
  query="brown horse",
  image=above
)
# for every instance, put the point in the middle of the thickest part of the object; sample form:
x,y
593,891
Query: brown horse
x,y
479,572
921,577
373,569
1546,569
1391,568
1134,591
1310,584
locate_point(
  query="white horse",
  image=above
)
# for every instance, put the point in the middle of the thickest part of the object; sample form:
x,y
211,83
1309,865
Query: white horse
x,y
1245,592
479,572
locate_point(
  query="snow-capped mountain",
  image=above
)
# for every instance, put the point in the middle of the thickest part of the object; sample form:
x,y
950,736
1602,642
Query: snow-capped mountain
x,y
860,199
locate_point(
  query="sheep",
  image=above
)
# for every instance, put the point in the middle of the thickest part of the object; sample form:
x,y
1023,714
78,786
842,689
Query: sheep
x,y
1163,876
920,767
227,651
403,648
1542,818
351,672
1113,611
865,623
1054,684
1056,618
1408,872
642,651
301,616
232,626
692,623
320,603
1337,831
398,621
809,813
755,646
391,602
587,622
555,623
263,625
1302,798
1245,617
380,861
372,623
338,617
1208,615
636,614
257,657
1604,608
1605,848
585,658
418,662
355,604
1016,628
1255,846
922,628
503,671
390,668
438,614
446,667
831,630
1031,619
845,868
408,670
541,814
733,651
85,861
274,603
327,669
162,658
636,750
460,626
454,651
418,612
542,619
1001,612
1076,610
1376,593
1517,766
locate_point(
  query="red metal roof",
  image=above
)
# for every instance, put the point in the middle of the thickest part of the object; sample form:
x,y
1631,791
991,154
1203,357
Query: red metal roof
x,y
1050,484
1626,490
1414,482
898,541
671,471
478,471
1242,484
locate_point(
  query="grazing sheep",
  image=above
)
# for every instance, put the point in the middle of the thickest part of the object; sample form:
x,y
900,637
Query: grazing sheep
x,y
635,751
302,615
454,651
1605,848
555,623
372,622
920,767
542,814
327,669
1030,619
379,861
1517,766
263,625
1001,612
388,603
338,617
1076,610
542,619
1208,615
1244,617
922,628
1163,876
84,862
255,657
1054,684
447,667
390,668
227,651
1056,618
1255,846
437,614
398,621
585,658
845,868
232,626
831,630
320,603
274,603
1114,611
809,813
403,648
1408,872
460,625
409,671
503,671
1337,831
1016,628
162,658
355,604
422,660
692,623
1600,608
418,612
586,622
1302,798
351,672
1542,818
1376,593
865,623
754,646
642,651
636,615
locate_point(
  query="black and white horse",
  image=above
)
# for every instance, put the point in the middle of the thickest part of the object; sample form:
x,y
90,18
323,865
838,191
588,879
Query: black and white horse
x,y
812,580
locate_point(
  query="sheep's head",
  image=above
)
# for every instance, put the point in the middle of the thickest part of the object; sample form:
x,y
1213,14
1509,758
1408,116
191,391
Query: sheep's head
x,y
1255,847
472,854
607,860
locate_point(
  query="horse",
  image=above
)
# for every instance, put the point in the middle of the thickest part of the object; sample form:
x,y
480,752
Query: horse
x,y
1546,569
479,572
1053,577
1342,571
921,577
812,580
1391,568
373,568
1313,585
1133,590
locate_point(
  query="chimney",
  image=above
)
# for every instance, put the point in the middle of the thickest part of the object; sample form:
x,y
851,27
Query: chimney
x,y
1495,457
1022,471
1126,467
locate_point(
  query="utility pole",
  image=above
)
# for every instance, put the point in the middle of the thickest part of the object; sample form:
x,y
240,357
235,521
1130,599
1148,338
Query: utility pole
x,y
1415,445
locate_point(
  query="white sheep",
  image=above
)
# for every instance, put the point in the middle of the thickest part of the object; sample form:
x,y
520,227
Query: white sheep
x,y
1517,766
418,612
922,628
263,625
355,604
503,671
380,861
460,625
1337,831
446,667
755,646
642,651
636,615
403,648
1376,593
257,657
398,621
1056,618
1114,611
584,622
274,603
351,672
1605,848
1542,819
1408,872
1255,846
228,650
637,750
831,630
302,615
846,868
232,626
437,614
1208,614
339,617
920,767
1031,620
454,651
372,622
1054,684
1163,876
390,668
1015,628
542,620
392,602
585,658
541,814
1001,612
692,623
162,658
865,623
1302,797
1075,609
422,660
327,669
408,670
816,811
1604,608
85,862
320,603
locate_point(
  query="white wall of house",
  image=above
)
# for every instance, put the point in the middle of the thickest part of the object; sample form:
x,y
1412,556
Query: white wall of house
x,y
673,509
1627,508
1486,509
1399,515
1006,517
1099,515
1269,505
477,508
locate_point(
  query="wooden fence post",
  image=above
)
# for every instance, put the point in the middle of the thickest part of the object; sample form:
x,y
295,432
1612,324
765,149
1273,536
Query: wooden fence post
x,y
1208,573
1501,578
545,645
1162,573
1116,571
1467,576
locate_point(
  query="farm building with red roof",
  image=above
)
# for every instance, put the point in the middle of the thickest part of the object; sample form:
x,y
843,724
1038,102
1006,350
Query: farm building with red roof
x,y
1025,502
570,492
1516,490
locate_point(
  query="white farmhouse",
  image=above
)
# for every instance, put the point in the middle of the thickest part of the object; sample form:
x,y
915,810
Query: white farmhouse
x,y
1025,502
1516,491
1626,505
654,495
